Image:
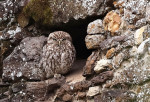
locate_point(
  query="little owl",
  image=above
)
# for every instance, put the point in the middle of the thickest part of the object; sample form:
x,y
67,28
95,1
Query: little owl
x,y
58,54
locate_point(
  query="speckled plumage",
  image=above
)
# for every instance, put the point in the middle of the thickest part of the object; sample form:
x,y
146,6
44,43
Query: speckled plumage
x,y
58,54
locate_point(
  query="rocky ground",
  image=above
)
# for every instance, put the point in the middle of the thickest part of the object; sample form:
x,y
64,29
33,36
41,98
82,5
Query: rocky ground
x,y
117,34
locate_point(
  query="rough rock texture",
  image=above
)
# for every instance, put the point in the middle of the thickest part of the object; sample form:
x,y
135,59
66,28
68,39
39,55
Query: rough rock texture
x,y
92,41
95,27
116,71
23,61
55,11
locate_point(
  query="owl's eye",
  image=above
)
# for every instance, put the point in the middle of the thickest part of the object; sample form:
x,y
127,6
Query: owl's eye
x,y
63,39
54,39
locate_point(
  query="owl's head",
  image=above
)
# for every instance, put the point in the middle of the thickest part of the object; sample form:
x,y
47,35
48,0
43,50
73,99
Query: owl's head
x,y
59,37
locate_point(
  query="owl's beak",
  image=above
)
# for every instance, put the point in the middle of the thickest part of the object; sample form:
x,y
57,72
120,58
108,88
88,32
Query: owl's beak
x,y
59,42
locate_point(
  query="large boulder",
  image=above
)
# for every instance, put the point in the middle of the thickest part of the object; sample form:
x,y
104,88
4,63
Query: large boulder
x,y
23,61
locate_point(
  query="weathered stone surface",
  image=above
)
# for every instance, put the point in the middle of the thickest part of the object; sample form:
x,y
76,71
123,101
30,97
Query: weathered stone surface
x,y
115,41
148,12
142,92
133,71
95,27
93,41
82,85
81,95
135,12
23,61
138,36
67,97
17,87
63,11
143,47
117,96
118,59
89,67
112,22
102,77
55,83
93,91
37,91
110,53
101,65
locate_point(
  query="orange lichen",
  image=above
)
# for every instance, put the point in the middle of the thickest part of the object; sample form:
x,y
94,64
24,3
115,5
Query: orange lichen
x,y
110,53
112,22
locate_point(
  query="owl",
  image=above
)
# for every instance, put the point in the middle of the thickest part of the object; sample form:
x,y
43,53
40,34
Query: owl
x,y
58,54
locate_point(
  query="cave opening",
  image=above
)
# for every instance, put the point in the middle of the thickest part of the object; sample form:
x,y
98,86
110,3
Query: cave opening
x,y
78,31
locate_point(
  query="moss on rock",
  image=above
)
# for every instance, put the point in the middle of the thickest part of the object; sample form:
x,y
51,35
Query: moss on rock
x,y
39,11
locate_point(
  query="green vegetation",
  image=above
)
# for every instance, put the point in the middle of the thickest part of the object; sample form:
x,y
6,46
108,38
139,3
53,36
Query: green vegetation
x,y
39,11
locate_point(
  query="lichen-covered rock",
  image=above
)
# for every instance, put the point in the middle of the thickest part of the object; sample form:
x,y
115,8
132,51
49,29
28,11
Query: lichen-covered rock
x,y
138,36
93,41
55,11
123,41
110,53
133,71
95,27
118,59
148,12
23,20
101,65
117,95
93,91
142,92
135,12
23,61
102,77
143,47
67,97
112,22
90,63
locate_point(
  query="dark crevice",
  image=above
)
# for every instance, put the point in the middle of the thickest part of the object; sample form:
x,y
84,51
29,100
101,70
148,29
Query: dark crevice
x,y
78,31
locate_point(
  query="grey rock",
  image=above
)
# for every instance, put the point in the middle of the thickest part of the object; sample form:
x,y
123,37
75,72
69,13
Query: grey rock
x,y
93,41
23,61
125,40
95,27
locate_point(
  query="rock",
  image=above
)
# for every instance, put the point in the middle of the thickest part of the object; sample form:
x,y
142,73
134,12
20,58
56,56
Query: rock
x,y
83,85
55,83
138,36
67,97
133,71
112,22
95,27
37,90
93,41
81,95
48,13
23,20
143,47
135,11
93,91
117,95
148,12
115,41
101,65
89,67
118,59
97,98
17,87
110,53
102,77
23,61
133,51
142,92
